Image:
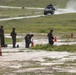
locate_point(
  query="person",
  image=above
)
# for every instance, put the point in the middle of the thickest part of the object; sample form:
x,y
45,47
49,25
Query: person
x,y
28,38
50,37
2,41
13,35
2,37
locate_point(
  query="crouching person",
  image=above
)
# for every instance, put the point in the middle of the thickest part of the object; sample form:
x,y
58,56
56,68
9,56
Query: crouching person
x,y
28,41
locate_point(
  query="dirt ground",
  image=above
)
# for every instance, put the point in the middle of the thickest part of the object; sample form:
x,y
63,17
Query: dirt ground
x,y
23,61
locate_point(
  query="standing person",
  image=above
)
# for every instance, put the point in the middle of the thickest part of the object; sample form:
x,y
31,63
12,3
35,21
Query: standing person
x,y
28,38
50,37
13,35
2,37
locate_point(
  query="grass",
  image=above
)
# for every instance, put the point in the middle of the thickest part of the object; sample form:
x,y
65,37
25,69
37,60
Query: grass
x,y
7,13
63,25
50,59
69,48
60,23
63,73
9,40
34,3
32,73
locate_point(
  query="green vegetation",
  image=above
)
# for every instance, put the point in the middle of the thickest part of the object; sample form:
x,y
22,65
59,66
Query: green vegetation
x,y
7,13
9,40
63,73
47,47
62,24
33,3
